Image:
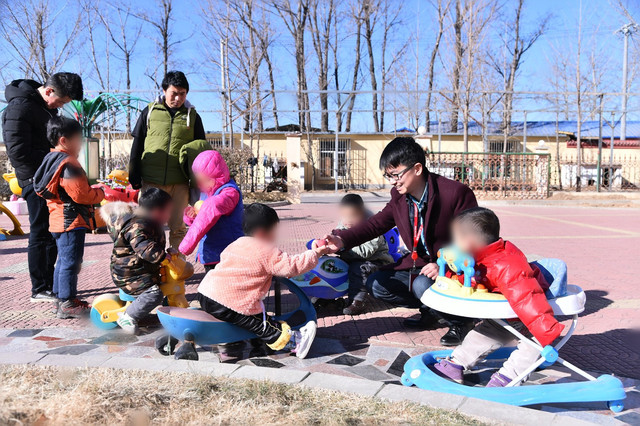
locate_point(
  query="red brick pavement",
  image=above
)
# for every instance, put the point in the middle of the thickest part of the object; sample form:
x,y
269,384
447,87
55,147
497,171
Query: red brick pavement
x,y
600,245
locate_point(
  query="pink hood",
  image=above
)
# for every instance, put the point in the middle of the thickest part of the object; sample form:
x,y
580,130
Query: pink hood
x,y
211,164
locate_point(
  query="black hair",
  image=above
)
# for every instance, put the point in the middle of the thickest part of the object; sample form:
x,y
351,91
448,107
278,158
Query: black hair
x,y
154,198
258,216
176,79
483,221
59,127
66,84
403,151
352,200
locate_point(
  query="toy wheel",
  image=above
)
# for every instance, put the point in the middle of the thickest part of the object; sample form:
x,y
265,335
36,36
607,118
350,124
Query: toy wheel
x,y
166,345
615,406
405,379
103,303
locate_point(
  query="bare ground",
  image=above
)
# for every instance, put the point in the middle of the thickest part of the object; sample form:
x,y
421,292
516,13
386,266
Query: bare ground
x,y
55,396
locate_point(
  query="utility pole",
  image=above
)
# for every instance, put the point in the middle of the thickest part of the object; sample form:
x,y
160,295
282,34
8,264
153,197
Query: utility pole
x,y
626,30
224,93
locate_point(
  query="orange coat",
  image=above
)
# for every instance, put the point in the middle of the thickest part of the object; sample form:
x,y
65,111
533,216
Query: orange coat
x,y
62,181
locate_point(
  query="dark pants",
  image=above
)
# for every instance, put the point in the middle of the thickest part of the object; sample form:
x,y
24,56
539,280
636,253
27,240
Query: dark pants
x,y
252,323
359,271
393,287
145,302
209,267
42,250
70,252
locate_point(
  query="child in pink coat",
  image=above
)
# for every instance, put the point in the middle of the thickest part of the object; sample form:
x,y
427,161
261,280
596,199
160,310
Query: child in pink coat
x,y
218,222
233,291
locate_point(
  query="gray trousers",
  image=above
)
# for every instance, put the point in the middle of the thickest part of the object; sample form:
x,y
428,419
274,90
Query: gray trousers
x,y
489,336
145,302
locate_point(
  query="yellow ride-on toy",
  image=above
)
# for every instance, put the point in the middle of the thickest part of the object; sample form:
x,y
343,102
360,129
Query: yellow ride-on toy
x,y
15,188
106,308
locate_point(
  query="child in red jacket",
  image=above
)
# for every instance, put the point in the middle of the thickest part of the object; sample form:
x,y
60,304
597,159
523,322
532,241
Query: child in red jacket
x,y
502,268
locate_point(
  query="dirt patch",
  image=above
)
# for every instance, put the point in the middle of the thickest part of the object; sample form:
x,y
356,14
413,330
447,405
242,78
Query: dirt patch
x,y
56,396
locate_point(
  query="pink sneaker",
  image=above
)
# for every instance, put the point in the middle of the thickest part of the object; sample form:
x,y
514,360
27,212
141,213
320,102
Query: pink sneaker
x,y
498,381
448,370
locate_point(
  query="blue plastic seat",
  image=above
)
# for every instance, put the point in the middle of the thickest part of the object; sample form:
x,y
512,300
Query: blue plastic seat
x,y
125,297
555,272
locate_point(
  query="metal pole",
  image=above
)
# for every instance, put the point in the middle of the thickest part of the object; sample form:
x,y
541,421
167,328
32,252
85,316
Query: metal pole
x,y
613,137
224,103
625,60
439,133
335,163
599,166
524,134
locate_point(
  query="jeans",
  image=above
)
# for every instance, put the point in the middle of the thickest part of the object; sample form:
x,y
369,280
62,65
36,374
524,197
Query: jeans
x,y
70,251
356,279
180,196
253,323
393,287
145,302
42,251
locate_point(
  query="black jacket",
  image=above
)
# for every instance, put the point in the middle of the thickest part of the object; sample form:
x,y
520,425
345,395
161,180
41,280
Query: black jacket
x,y
24,128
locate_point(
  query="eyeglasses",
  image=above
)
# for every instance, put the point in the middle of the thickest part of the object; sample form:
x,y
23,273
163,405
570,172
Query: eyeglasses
x,y
395,177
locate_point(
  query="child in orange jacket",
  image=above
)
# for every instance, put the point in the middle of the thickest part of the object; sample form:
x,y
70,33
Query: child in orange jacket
x,y
70,199
234,290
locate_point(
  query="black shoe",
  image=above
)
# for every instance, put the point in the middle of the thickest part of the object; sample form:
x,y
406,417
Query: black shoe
x,y
426,320
455,335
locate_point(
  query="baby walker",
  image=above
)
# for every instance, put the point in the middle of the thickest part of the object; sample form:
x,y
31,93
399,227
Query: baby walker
x,y
194,326
106,308
448,295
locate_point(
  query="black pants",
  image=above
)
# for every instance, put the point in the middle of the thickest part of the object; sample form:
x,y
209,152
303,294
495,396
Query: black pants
x,y
252,323
393,287
42,250
209,267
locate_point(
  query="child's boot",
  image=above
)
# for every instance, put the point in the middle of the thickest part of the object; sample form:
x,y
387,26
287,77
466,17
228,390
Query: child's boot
x,y
74,308
356,307
302,339
498,380
127,324
447,369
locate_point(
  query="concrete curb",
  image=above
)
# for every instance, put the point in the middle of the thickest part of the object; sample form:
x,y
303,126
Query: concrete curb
x,y
483,410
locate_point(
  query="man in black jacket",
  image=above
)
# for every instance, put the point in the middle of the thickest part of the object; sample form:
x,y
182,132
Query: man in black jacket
x,y
24,128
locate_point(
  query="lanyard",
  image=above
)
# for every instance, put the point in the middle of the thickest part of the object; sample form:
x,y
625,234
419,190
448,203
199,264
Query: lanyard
x,y
417,233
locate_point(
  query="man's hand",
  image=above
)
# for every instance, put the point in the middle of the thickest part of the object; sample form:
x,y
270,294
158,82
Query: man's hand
x,y
430,270
190,212
334,243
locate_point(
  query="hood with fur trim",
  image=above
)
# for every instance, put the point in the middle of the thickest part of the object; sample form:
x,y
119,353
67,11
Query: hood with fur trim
x,y
211,164
116,214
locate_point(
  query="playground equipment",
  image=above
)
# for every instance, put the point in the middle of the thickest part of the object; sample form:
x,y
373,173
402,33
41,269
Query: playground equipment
x,y
393,242
328,280
15,188
194,326
117,187
448,295
106,308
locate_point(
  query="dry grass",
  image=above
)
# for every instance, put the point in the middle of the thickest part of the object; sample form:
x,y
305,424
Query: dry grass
x,y
55,396
263,197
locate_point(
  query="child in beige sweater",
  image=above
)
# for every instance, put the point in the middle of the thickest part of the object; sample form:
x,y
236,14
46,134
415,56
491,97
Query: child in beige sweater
x,y
234,290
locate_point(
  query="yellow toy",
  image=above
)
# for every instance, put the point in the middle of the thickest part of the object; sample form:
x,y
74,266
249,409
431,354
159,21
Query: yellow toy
x,y
13,183
106,308
197,206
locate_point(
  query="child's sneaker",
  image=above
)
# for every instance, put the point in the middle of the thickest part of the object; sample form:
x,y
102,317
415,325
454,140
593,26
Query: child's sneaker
x,y
498,381
356,308
127,324
72,309
43,296
302,339
447,369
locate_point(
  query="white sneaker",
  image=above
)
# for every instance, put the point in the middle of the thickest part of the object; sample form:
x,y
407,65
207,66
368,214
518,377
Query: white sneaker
x,y
303,339
128,324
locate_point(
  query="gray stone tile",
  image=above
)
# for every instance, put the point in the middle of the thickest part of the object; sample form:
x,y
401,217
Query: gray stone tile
x,y
421,396
74,361
25,332
494,411
397,366
584,416
383,352
20,357
70,350
347,360
342,384
159,364
271,374
369,372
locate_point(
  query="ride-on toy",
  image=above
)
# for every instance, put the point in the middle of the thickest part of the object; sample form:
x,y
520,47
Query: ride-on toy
x,y
194,326
106,308
448,295
12,180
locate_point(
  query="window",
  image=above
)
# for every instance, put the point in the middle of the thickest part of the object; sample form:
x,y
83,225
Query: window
x,y
327,151
498,146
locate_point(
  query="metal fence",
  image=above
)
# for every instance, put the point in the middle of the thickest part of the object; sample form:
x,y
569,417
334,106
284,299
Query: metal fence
x,y
621,172
507,175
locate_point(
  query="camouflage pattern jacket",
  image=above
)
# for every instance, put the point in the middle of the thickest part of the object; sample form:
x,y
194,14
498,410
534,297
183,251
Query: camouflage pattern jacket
x,y
138,249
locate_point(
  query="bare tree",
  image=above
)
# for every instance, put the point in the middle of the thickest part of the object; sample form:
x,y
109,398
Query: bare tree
x,y
442,9
31,29
357,16
321,16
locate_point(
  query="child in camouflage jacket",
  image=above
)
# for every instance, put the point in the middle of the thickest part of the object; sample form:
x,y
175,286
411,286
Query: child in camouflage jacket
x,y
138,251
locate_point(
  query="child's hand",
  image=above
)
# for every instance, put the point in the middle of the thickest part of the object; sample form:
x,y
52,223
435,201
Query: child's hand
x,y
334,243
172,254
430,270
320,247
190,212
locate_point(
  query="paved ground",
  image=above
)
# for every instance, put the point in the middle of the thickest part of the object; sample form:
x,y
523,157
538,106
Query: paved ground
x,y
600,245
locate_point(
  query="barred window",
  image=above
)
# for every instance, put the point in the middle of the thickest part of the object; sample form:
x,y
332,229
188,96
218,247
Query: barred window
x,y
327,151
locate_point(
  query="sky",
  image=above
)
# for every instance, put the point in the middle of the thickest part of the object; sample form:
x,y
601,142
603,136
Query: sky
x,y
193,55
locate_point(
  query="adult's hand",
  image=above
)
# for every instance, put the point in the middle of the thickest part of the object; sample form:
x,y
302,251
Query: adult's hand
x,y
334,243
430,270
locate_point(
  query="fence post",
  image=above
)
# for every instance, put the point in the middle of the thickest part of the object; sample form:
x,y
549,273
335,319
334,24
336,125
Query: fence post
x,y
599,165
613,137
524,134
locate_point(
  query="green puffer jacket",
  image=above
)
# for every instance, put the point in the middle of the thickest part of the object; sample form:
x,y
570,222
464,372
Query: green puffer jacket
x,y
188,153
166,135
375,251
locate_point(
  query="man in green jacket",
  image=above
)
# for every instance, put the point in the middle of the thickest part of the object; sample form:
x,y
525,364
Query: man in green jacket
x,y
163,128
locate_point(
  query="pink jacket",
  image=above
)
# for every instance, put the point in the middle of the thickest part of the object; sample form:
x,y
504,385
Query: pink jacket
x,y
213,165
243,276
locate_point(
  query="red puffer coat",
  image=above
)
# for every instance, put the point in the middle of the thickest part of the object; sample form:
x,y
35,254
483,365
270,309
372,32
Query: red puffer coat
x,y
503,268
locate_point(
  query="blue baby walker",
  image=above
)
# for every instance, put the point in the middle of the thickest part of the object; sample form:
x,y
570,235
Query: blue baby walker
x,y
449,296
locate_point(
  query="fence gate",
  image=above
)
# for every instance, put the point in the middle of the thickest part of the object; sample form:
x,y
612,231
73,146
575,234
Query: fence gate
x,y
496,175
